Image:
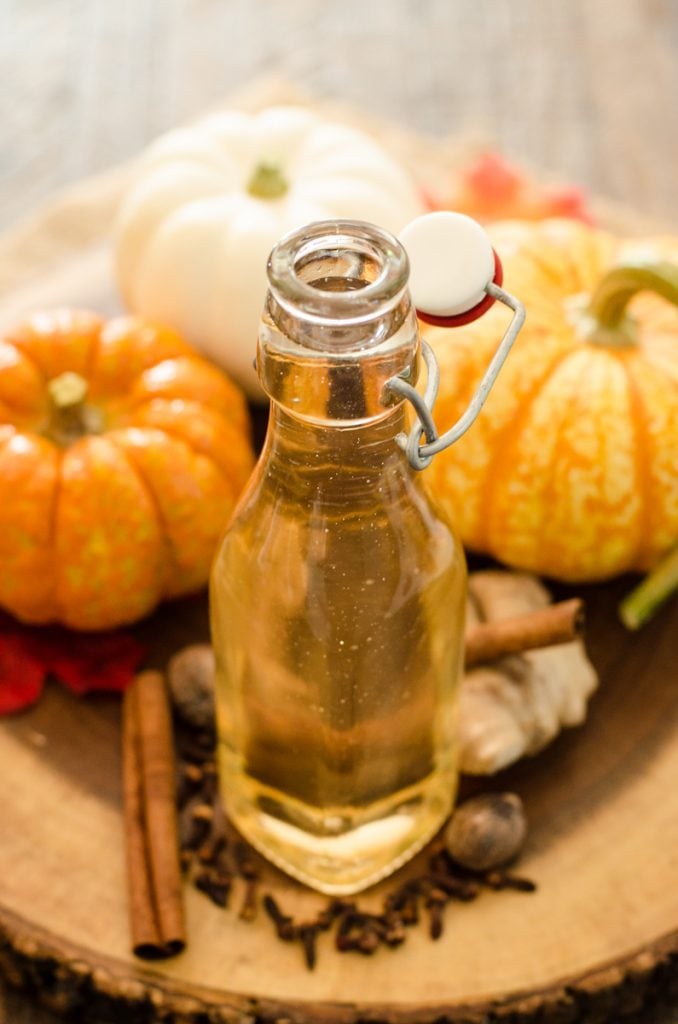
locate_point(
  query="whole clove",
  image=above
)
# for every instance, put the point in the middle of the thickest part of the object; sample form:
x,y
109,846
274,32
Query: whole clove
x,y
360,932
214,846
369,940
332,911
393,933
435,903
284,925
215,885
188,783
190,834
502,880
435,917
199,826
409,912
349,931
210,851
457,888
210,785
247,866
197,747
249,906
308,933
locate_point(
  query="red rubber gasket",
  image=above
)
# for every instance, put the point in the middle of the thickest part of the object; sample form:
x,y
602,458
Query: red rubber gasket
x,y
470,314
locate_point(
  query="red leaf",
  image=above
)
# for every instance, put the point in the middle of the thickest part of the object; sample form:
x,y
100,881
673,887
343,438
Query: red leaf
x,y
83,662
569,201
493,177
22,674
90,662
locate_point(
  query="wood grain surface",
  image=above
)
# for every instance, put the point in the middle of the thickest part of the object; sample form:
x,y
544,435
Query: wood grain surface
x,y
586,89
598,936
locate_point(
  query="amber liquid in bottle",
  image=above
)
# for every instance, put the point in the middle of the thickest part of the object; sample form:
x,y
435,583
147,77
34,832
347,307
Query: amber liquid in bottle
x,y
337,604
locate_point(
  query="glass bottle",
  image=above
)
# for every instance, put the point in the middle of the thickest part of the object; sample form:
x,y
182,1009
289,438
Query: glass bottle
x,y
337,596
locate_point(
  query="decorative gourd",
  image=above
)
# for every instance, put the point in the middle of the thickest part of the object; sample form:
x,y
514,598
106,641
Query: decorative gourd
x,y
121,456
209,202
572,468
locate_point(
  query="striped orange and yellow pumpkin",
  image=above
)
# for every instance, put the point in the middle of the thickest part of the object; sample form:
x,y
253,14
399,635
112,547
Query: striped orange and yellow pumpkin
x,y
572,468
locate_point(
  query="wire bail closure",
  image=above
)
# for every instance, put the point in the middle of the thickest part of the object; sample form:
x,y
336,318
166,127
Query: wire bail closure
x,y
421,455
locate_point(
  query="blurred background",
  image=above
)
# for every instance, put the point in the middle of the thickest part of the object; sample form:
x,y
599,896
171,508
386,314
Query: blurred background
x,y
587,89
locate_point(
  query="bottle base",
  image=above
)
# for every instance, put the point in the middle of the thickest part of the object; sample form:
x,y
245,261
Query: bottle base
x,y
341,852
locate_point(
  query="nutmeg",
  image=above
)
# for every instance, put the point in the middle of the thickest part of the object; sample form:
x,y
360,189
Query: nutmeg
x,y
190,675
487,831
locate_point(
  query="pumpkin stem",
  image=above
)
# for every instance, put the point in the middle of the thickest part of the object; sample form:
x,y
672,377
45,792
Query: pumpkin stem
x,y
267,182
641,604
608,303
69,417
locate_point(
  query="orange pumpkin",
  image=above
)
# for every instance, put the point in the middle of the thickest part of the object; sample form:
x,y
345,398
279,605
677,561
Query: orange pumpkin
x,y
571,470
122,454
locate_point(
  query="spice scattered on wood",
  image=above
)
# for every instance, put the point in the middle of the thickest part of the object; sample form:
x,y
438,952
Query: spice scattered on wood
x,y
190,779
222,861
308,933
214,884
153,867
284,925
248,909
195,826
196,747
502,880
227,871
435,903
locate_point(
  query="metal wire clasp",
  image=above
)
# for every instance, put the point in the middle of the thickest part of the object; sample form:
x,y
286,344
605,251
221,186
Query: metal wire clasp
x,y
420,455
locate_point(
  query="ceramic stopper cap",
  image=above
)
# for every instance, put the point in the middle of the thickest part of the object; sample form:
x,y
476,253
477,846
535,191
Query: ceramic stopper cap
x,y
451,262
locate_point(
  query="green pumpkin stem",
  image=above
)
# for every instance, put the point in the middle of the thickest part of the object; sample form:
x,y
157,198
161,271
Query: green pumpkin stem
x,y
641,604
608,304
267,182
69,417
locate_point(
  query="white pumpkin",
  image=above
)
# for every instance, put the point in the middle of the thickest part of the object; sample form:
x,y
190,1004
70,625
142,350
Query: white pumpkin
x,y
209,202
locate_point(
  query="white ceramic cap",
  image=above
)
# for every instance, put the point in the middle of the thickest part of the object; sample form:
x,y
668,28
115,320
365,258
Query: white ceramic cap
x,y
451,262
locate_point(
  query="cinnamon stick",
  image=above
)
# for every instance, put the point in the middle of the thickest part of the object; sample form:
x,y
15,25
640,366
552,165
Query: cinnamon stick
x,y
153,871
555,624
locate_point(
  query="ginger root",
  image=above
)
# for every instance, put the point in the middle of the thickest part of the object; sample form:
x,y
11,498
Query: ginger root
x,y
515,706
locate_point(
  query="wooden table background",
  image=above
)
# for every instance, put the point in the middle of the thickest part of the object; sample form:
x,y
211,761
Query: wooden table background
x,y
585,88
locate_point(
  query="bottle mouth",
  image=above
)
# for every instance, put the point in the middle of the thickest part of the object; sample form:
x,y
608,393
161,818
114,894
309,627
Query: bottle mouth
x,y
338,272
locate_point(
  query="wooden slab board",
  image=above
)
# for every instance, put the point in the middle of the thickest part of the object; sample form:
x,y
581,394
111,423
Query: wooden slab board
x,y
602,847
600,933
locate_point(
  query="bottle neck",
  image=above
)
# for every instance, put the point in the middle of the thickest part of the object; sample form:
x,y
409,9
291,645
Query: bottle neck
x,y
344,386
338,323
317,446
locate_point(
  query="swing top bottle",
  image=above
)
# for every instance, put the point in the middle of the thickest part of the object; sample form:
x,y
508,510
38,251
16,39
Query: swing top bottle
x,y
337,595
